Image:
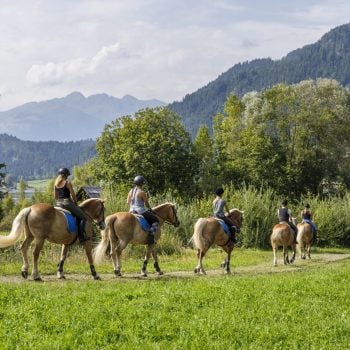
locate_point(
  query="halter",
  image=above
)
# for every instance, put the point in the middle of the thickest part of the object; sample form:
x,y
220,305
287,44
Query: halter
x,y
166,220
99,223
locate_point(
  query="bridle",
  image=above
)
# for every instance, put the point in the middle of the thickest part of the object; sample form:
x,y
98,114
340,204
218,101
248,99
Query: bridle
x,y
168,221
100,222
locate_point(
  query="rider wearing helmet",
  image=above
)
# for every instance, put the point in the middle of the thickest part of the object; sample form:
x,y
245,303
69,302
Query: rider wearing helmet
x,y
285,215
139,204
65,198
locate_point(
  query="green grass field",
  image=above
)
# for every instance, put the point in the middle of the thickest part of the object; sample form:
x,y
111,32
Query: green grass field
x,y
304,306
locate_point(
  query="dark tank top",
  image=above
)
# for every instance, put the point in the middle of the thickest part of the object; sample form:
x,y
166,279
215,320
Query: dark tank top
x,y
283,214
62,192
306,215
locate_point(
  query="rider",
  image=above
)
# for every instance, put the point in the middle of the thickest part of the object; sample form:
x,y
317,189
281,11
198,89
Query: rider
x,y
285,215
306,216
139,204
219,204
65,198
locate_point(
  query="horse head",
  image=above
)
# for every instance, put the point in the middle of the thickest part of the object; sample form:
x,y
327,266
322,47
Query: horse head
x,y
167,212
95,210
236,217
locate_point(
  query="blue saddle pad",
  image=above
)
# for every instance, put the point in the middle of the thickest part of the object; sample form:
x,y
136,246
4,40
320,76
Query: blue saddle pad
x,y
224,226
71,223
143,222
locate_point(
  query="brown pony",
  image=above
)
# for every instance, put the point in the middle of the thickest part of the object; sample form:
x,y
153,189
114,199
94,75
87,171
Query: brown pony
x,y
282,235
43,221
123,228
304,239
208,231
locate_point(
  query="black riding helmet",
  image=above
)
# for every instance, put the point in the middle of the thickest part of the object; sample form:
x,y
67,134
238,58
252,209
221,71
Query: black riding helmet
x,y
139,180
284,202
64,171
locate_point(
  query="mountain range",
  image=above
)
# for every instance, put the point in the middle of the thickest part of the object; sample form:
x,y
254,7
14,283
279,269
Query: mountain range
x,y
329,57
74,117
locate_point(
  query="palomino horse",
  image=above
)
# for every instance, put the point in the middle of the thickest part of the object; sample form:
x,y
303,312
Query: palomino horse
x,y
208,231
123,228
304,239
43,221
282,235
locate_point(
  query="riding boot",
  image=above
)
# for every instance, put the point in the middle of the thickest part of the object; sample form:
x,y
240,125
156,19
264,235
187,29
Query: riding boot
x,y
233,234
81,231
152,233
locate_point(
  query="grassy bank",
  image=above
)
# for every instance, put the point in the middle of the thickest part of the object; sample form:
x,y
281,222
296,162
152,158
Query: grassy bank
x,y
258,307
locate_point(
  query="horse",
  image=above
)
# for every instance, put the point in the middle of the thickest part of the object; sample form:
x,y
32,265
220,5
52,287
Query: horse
x,y
43,221
282,235
208,231
304,239
123,228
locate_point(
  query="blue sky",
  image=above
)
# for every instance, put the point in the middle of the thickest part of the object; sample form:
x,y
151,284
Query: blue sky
x,y
160,49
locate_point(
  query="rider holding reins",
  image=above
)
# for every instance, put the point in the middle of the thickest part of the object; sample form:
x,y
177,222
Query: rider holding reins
x,y
139,204
66,199
285,215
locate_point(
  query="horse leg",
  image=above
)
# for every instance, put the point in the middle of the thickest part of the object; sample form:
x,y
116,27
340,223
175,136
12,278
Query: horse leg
x,y
294,253
38,246
199,268
88,252
24,249
116,254
309,250
226,264
64,253
285,255
274,249
155,258
145,262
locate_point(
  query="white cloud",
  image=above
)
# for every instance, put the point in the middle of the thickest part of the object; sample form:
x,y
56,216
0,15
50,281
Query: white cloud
x,y
57,73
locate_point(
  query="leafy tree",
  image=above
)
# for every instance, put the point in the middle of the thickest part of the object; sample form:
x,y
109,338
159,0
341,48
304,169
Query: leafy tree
x,y
204,152
84,175
153,143
290,137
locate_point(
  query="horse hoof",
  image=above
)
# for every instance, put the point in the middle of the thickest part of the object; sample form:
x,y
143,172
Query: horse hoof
x,y
228,272
195,270
117,273
143,274
63,277
97,278
160,273
24,274
38,279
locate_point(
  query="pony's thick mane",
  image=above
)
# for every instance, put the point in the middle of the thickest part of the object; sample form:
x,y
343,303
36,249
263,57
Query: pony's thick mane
x,y
163,205
88,201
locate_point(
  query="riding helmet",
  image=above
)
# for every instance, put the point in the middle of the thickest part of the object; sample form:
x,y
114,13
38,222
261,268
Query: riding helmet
x,y
139,180
64,171
284,202
307,205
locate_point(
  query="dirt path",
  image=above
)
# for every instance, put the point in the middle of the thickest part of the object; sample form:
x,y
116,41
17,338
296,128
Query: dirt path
x,y
263,268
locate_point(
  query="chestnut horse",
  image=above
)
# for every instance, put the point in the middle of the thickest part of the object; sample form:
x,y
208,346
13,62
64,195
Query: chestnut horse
x,y
282,235
304,239
43,221
123,228
208,231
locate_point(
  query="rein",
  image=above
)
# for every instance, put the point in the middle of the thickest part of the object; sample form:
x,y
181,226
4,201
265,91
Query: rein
x,y
164,219
101,212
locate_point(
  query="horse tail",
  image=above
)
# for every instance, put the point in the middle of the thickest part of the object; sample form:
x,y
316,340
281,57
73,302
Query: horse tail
x,y
16,230
101,248
198,240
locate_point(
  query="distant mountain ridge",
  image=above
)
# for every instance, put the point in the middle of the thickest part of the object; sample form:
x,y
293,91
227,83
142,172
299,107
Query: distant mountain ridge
x,y
39,160
74,117
327,58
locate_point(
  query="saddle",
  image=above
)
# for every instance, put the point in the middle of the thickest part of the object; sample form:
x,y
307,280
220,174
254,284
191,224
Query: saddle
x,y
71,221
143,222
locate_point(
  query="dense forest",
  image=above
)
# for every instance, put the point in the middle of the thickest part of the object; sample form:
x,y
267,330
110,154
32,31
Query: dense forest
x,y
327,58
35,160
